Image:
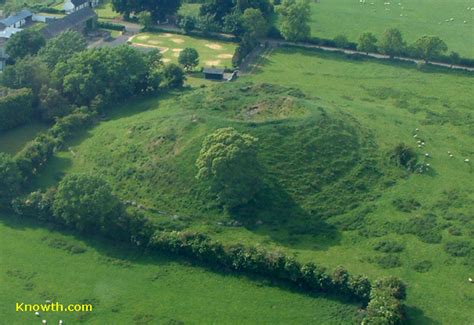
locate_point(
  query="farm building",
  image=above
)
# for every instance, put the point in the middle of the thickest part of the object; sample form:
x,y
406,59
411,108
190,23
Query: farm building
x,y
213,73
18,20
71,6
80,21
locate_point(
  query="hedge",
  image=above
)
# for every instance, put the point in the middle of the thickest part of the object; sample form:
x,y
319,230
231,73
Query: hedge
x,y
16,107
111,26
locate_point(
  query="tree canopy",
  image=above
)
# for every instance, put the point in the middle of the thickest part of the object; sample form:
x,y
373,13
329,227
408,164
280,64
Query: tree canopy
x,y
85,202
367,43
295,16
10,180
158,9
228,163
62,47
430,47
189,58
26,42
392,43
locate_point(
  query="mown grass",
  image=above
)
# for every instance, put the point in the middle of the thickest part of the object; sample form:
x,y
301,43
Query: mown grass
x,y
211,52
421,17
126,287
13,141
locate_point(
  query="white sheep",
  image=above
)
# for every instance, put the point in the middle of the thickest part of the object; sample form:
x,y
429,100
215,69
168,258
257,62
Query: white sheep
x,y
37,314
471,280
466,160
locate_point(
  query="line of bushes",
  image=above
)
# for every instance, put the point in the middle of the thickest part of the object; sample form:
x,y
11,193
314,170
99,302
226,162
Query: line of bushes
x,y
50,10
38,151
383,298
111,26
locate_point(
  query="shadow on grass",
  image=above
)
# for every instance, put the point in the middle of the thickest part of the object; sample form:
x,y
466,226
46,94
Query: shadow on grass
x,y
274,213
416,316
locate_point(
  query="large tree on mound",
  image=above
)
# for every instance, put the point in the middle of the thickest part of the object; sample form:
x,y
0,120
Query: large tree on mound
x,y
158,9
295,16
228,161
86,202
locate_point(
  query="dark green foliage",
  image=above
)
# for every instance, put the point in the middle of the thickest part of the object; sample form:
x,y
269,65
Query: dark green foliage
x,y
273,264
425,228
189,58
36,205
384,308
228,162
86,203
16,107
392,43
389,246
458,248
430,47
10,180
52,104
394,285
172,76
367,43
27,42
295,16
30,72
455,231
118,73
404,156
159,9
66,246
187,24
406,205
423,266
388,261
62,47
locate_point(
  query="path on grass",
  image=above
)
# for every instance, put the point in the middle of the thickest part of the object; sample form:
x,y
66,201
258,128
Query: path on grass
x,y
276,43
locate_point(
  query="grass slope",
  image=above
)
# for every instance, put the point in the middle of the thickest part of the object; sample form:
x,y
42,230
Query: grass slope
x,y
38,264
13,141
435,208
413,18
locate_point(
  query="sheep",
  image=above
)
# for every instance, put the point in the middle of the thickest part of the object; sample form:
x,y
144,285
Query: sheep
x,y
37,314
451,156
48,301
44,321
417,129
466,160
61,322
427,155
416,135
471,280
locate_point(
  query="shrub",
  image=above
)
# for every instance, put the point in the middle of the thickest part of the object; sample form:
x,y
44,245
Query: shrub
x,y
422,266
404,156
389,246
386,261
458,248
394,285
406,205
425,228
455,231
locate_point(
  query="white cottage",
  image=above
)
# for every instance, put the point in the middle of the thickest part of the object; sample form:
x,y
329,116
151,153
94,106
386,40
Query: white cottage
x,y
71,6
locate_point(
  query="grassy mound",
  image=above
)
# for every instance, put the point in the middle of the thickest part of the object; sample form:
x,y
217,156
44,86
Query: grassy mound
x,y
317,162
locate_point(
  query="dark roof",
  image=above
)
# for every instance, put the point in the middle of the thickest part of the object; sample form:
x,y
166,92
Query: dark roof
x,y
58,26
213,71
78,3
10,20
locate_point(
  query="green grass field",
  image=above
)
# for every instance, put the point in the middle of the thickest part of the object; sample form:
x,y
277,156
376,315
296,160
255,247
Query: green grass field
x,y
13,141
124,287
190,9
211,53
414,18
324,149
105,11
